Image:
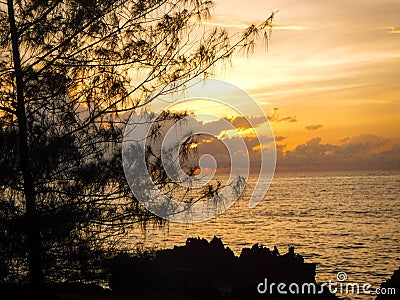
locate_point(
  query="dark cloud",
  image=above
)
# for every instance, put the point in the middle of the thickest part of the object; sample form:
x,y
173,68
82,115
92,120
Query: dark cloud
x,y
314,127
276,116
246,122
290,119
221,150
280,138
360,152
369,142
218,126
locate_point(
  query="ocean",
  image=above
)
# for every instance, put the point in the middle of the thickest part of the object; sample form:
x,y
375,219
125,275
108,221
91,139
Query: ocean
x,y
345,221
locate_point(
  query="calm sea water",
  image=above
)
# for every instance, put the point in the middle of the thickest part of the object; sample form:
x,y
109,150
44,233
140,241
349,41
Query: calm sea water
x,y
343,221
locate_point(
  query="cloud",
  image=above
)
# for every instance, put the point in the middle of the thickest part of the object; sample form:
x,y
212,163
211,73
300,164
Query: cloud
x,y
355,153
227,25
393,30
279,138
367,151
313,127
370,142
243,123
290,119
223,150
275,116
291,27
227,22
361,152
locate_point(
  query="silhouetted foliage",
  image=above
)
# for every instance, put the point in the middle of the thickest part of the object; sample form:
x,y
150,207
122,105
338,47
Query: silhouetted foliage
x,y
71,72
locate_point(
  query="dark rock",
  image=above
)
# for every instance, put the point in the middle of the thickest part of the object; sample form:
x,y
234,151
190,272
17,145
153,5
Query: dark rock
x,y
390,289
209,270
55,291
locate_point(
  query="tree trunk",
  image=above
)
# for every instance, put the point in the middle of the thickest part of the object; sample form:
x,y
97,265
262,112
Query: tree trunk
x,y
31,214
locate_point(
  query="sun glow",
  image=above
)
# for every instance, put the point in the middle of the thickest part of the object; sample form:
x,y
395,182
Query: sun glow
x,y
193,145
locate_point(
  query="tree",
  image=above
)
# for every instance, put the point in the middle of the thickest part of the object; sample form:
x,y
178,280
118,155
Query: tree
x,y
70,72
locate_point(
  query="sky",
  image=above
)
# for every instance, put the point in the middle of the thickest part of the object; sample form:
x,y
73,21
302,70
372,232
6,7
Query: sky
x,y
329,81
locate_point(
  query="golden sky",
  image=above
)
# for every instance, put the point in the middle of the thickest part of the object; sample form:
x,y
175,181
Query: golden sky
x,y
330,63
329,81
332,69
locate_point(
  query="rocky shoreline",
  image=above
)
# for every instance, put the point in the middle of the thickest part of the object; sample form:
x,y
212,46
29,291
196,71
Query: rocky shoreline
x,y
209,270
200,269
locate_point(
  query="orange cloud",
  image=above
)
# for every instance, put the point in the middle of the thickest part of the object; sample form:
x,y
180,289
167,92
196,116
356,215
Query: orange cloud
x,y
314,127
242,123
393,30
